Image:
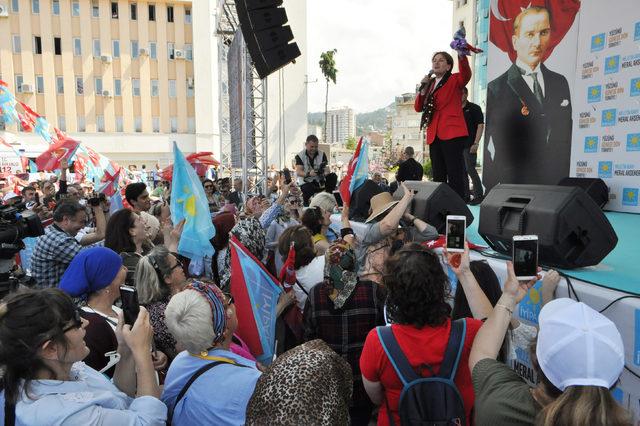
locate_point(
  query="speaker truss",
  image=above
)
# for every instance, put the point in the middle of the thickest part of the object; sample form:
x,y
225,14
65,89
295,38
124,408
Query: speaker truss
x,y
254,158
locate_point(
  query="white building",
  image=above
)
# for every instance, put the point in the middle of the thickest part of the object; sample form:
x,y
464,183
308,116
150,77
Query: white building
x,y
405,126
341,125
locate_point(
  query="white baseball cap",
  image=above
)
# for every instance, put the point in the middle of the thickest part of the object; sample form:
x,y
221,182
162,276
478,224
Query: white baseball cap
x,y
578,346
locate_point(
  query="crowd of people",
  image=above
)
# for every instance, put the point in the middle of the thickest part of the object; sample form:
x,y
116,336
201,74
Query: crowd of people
x,y
377,311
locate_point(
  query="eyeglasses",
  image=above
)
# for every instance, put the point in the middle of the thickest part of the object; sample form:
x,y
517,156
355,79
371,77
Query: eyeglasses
x,y
77,321
208,187
177,265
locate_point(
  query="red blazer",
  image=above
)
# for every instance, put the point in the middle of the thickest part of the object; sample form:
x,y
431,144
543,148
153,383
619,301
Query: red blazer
x,y
448,119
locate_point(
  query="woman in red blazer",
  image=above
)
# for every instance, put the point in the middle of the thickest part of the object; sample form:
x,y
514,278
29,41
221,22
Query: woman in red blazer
x,y
446,128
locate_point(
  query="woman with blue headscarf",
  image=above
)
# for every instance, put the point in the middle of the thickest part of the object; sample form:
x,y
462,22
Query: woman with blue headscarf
x,y
95,276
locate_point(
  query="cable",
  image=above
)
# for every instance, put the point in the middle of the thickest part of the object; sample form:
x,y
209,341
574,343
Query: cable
x,y
628,296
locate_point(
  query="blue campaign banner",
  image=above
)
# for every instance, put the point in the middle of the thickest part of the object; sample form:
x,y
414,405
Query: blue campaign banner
x,y
591,144
529,308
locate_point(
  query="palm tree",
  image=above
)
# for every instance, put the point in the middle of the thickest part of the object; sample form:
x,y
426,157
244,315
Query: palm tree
x,y
328,68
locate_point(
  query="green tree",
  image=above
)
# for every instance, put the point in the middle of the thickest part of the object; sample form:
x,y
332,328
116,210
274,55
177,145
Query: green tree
x,y
328,67
427,168
351,143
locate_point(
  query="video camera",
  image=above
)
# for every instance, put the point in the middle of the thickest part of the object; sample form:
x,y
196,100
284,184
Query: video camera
x,y
16,223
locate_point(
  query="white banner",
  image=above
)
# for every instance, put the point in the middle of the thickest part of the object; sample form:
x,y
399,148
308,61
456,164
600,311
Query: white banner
x,y
606,101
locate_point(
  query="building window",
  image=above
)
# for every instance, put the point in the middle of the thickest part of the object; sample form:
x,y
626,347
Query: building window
x,y
117,87
119,124
75,8
19,81
174,124
62,123
137,123
15,6
98,83
171,50
187,15
100,123
190,88
59,85
191,124
152,12
153,50
37,45
79,86
115,48
17,47
169,13
155,88
172,89
55,7
95,9
114,10
57,45
35,6
135,83
135,51
39,84
81,124
188,52
77,47
155,122
96,48
134,11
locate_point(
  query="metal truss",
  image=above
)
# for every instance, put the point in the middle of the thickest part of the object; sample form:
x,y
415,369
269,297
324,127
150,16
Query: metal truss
x,y
254,155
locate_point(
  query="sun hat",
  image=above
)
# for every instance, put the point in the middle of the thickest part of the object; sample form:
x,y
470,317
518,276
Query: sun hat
x,y
381,203
578,346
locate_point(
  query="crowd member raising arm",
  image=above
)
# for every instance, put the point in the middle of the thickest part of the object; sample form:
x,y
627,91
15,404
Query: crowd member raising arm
x,y
578,356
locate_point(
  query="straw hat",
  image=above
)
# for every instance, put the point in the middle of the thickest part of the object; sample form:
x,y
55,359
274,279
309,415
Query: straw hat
x,y
380,204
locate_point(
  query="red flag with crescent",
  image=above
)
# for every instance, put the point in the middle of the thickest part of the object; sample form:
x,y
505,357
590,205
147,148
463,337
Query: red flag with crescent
x,y
63,149
504,12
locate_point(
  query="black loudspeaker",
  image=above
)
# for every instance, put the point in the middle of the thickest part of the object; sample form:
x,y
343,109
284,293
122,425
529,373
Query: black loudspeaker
x,y
433,202
572,230
361,200
594,187
267,37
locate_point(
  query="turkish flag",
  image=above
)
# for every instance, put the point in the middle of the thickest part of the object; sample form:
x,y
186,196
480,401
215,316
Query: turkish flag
x,y
200,161
504,12
63,149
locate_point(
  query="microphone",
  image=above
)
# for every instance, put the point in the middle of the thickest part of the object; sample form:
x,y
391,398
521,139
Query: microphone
x,y
428,77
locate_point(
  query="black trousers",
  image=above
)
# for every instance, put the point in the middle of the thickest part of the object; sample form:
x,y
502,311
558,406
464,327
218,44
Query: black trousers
x,y
447,163
470,163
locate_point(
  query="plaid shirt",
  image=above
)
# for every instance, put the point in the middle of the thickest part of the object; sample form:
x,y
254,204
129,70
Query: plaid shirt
x,y
346,329
53,252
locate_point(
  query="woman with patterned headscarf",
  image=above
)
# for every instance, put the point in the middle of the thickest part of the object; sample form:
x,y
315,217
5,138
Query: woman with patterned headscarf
x,y
308,385
341,311
289,216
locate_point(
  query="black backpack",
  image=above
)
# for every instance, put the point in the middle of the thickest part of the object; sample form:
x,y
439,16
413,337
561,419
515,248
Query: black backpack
x,y
428,401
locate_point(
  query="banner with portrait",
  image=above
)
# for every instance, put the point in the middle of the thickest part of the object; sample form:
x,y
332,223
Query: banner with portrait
x,y
606,127
531,70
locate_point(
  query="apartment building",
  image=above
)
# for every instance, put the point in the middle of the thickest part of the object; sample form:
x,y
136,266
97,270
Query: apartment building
x,y
405,126
341,125
117,75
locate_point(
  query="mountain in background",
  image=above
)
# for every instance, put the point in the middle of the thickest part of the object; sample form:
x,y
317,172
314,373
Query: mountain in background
x,y
365,122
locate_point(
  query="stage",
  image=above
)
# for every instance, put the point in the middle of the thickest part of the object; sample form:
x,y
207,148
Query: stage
x,y
620,270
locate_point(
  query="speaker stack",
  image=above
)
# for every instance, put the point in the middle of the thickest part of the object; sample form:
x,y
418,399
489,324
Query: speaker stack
x,y
572,230
266,35
433,202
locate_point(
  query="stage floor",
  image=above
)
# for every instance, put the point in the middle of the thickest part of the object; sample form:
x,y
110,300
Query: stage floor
x,y
620,270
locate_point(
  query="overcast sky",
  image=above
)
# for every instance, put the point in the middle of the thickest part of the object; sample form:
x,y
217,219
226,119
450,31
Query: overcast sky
x,y
384,48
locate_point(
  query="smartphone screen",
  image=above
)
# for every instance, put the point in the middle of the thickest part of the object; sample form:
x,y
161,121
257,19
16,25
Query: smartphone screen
x,y
130,305
525,257
338,197
455,233
287,176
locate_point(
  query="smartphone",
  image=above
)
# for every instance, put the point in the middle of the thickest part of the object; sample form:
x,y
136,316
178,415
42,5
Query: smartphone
x,y
525,256
287,176
338,197
456,233
130,305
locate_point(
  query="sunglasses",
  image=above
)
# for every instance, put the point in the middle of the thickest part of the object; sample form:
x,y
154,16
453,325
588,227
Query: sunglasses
x,y
76,321
208,187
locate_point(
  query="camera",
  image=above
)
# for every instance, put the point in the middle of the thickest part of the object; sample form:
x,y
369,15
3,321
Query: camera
x,y
16,223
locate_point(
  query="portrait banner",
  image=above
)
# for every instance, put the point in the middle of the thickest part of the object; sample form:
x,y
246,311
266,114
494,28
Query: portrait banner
x,y
531,69
606,126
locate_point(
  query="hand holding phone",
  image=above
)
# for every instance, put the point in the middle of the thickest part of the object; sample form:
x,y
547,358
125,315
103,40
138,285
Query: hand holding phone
x,y
287,175
525,256
130,305
456,233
